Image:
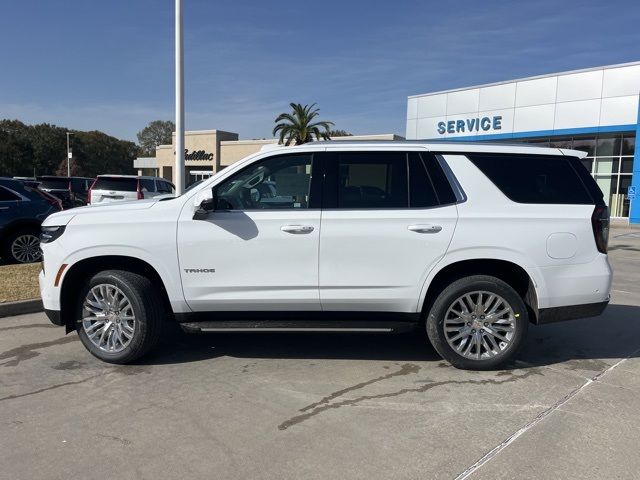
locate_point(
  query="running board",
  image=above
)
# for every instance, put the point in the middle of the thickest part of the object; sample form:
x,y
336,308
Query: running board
x,y
298,326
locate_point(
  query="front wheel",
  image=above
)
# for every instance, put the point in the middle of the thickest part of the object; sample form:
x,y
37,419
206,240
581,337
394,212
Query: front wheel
x,y
477,322
120,316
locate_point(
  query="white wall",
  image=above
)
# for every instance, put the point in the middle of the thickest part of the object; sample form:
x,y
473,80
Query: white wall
x,y
604,96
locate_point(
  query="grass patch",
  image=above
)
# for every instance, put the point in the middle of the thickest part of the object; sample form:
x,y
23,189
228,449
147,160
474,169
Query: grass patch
x,y
19,282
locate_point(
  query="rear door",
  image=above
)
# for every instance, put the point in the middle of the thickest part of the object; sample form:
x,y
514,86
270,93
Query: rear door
x,y
387,218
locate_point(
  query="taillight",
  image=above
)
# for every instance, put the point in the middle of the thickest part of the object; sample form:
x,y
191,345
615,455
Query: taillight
x,y
140,195
600,225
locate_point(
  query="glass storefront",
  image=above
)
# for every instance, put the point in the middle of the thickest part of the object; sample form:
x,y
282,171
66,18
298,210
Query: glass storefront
x,y
609,159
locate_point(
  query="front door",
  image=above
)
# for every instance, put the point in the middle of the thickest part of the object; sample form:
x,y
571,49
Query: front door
x,y
259,249
388,217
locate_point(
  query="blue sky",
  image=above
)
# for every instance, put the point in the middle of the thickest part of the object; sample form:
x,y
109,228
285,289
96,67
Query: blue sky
x,y
108,65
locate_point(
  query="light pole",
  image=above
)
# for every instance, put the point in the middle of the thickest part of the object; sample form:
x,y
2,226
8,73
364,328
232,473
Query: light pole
x,y
179,178
68,155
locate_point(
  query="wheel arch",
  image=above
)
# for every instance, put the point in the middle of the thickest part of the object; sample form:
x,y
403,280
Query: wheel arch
x,y
85,268
511,273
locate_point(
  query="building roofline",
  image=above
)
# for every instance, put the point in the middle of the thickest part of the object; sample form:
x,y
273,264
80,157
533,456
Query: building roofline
x,y
203,132
523,79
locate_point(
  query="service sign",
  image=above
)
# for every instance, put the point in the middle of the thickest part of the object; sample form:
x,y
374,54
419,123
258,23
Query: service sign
x,y
470,125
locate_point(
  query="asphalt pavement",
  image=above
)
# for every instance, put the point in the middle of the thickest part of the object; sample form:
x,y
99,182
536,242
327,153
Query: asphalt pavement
x,y
317,406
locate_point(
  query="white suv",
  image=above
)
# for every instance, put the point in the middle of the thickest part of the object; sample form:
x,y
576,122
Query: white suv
x,y
118,188
469,242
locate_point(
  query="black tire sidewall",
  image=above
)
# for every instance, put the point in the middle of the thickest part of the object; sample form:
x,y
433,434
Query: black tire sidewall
x,y
145,307
436,316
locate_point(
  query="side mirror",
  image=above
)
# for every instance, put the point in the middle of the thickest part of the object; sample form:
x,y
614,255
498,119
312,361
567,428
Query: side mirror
x,y
207,206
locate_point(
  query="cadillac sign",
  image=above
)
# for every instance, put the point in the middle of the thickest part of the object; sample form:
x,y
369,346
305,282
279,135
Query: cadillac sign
x,y
197,155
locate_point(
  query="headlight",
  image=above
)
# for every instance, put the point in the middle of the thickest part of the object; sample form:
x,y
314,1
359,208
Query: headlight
x,y
49,234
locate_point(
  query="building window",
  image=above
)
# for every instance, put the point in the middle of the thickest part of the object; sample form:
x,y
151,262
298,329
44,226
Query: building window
x,y
609,160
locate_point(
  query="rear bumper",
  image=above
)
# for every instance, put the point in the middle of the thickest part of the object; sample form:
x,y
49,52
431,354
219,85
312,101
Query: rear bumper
x,y
570,312
574,284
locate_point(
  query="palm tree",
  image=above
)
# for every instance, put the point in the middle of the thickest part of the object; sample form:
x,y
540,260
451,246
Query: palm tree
x,y
297,127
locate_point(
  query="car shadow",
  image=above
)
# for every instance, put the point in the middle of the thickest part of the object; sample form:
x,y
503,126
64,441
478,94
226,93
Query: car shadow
x,y
614,334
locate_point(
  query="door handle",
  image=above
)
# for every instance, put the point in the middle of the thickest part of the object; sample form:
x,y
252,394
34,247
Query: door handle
x,y
425,228
297,228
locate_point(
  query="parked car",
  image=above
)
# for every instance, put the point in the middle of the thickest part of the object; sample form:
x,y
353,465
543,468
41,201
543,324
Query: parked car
x,y
28,181
22,210
72,191
115,188
469,243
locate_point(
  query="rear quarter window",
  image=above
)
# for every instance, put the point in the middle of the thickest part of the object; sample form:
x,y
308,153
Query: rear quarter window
x,y
536,178
116,184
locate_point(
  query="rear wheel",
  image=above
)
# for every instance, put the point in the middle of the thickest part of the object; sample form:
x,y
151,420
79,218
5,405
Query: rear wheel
x,y
120,316
477,322
22,246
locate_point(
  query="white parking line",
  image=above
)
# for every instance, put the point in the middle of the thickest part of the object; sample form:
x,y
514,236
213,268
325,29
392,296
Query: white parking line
x,y
541,416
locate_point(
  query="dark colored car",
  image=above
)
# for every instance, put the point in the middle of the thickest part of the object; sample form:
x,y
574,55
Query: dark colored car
x,y
72,191
22,210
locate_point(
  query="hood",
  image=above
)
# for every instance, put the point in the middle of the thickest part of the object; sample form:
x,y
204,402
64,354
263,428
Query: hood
x,y
65,216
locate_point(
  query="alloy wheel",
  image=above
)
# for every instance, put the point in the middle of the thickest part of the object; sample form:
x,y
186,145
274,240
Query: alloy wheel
x,y
479,325
26,249
108,318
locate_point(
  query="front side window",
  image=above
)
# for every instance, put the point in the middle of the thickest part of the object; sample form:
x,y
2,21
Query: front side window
x,y
282,182
372,180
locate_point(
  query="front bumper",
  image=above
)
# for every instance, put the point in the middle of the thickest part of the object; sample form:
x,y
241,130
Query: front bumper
x,y
55,317
570,312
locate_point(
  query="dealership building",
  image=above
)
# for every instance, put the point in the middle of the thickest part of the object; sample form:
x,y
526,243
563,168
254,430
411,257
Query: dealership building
x,y
595,110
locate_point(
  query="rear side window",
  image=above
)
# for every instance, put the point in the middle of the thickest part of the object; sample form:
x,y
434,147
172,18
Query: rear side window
x,y
7,196
117,184
428,184
534,178
372,180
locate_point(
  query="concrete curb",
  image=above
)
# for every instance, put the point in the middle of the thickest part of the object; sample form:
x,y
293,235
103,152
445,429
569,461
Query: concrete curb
x,y
23,307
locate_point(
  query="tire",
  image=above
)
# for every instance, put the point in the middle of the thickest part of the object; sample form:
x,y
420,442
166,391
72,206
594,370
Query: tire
x,y
22,246
479,339
119,339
